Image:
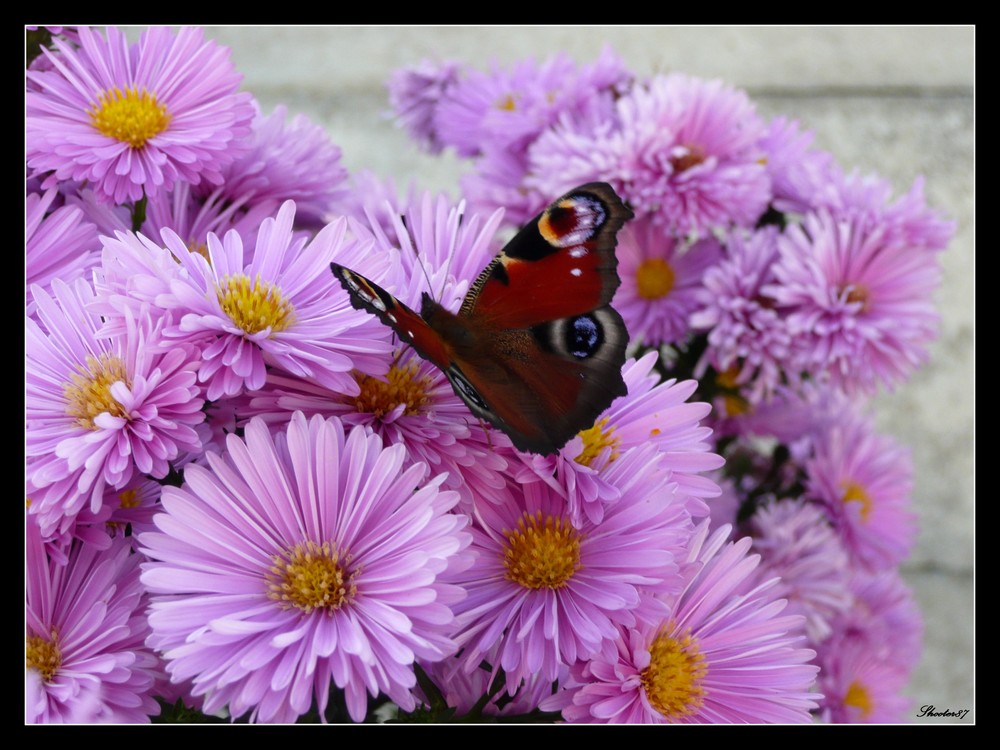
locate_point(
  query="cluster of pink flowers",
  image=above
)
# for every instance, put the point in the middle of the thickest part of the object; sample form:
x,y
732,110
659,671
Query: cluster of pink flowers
x,y
245,499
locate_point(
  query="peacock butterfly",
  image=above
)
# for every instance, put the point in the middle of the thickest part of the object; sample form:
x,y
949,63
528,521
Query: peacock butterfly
x,y
536,348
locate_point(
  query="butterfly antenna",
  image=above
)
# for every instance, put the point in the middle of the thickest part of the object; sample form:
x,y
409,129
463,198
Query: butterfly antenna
x,y
416,253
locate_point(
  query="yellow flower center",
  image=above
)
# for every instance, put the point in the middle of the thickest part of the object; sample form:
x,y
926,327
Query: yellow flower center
x,y
859,697
43,655
132,117
508,103
655,278
673,680
855,493
595,440
255,307
542,553
732,401
312,576
128,498
379,397
88,393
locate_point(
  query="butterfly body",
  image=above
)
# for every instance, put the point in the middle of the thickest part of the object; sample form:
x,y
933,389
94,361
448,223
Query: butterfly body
x,y
536,348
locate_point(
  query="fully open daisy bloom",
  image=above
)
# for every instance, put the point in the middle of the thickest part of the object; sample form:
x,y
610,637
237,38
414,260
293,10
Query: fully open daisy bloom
x,y
864,480
86,660
281,307
100,409
723,655
547,590
298,560
134,119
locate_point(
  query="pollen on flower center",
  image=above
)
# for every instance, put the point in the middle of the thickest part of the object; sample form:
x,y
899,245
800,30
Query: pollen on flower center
x,y
312,576
132,117
655,278
595,440
128,498
507,103
859,697
543,552
673,680
255,307
43,655
854,492
690,156
88,393
379,397
858,294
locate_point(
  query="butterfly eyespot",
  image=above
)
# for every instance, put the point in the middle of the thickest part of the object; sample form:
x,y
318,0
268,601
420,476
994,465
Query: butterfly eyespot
x,y
467,392
583,336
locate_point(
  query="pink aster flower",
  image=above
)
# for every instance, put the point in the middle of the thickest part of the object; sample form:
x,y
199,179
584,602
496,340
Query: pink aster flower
x,y
293,160
100,409
797,172
797,545
866,664
415,93
725,654
510,107
86,661
653,412
747,338
864,480
858,305
134,119
189,216
299,560
661,281
859,687
682,149
279,309
546,591
58,244
414,406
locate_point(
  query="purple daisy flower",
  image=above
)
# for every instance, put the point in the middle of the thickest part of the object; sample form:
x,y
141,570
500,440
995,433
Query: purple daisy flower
x,y
190,217
651,413
293,160
747,337
464,691
414,406
86,661
858,305
723,655
859,687
300,559
278,309
546,591
798,546
100,409
864,481
133,120
415,93
661,281
797,171
509,108
58,244
682,149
